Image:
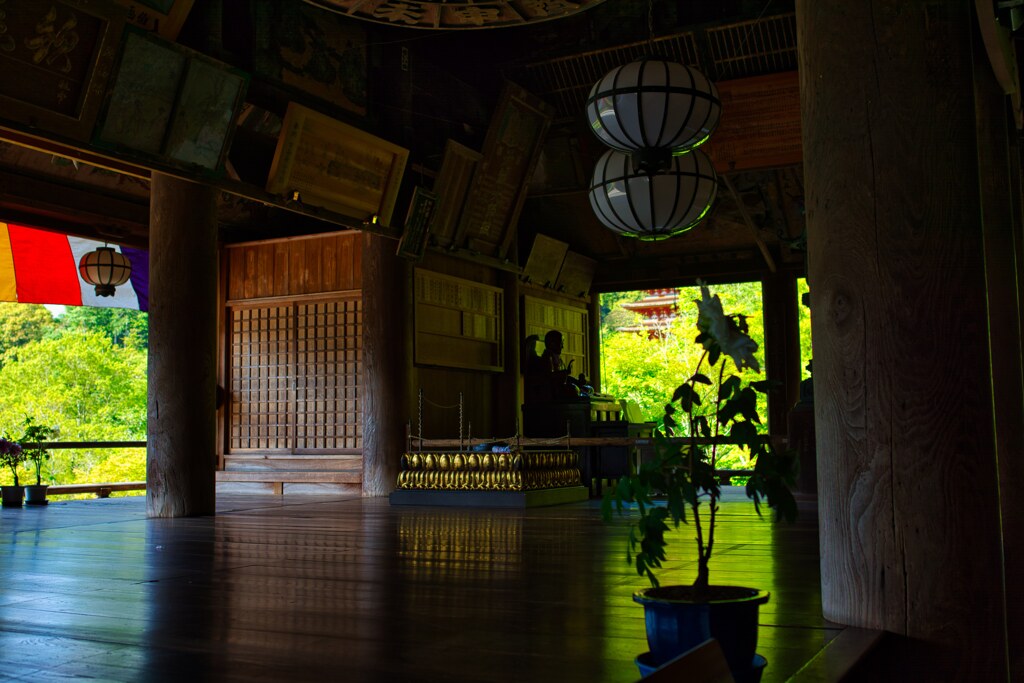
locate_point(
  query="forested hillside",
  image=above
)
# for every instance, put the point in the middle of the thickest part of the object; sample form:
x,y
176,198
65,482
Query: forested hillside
x,y
84,372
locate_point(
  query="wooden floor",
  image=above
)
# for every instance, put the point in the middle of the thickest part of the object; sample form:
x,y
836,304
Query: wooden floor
x,y
316,589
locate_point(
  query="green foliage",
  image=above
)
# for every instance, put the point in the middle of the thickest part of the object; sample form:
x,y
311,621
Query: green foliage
x,y
646,370
92,387
31,436
803,294
125,327
21,324
11,457
682,470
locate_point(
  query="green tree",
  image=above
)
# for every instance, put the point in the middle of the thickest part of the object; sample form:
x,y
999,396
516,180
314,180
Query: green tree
x,y
83,382
803,292
123,326
21,324
647,370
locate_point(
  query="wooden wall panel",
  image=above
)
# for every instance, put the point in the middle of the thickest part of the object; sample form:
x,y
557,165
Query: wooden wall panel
x,y
441,388
296,263
281,269
308,265
459,323
329,266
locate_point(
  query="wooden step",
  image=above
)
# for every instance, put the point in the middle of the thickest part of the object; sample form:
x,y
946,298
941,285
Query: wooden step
x,y
335,477
326,463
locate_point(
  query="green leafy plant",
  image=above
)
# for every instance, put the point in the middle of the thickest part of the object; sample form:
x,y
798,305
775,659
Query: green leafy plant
x,y
11,456
32,435
680,476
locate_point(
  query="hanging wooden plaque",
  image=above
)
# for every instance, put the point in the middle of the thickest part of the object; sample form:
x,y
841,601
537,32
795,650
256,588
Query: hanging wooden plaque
x,y
57,57
336,166
514,140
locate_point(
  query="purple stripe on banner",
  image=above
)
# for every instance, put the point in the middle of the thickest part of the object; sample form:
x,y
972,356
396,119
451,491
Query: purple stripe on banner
x,y
140,274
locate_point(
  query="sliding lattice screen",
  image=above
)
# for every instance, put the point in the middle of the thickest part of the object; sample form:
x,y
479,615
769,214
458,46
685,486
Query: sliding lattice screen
x,y
294,376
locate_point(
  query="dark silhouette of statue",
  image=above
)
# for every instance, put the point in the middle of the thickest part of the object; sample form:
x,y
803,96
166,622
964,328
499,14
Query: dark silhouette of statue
x,y
547,377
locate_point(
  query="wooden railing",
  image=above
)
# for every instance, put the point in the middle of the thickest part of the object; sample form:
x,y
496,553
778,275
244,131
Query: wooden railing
x,y
101,490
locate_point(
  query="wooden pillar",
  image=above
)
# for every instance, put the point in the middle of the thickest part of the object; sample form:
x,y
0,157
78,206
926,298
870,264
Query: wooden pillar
x,y
594,340
782,348
383,388
1000,186
182,430
507,399
907,463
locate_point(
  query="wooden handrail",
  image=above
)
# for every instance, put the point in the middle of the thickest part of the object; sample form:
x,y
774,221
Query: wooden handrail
x,y
101,490
57,445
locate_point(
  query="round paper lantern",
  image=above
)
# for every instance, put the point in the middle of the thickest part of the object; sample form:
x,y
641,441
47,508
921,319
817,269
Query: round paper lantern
x,y
105,268
653,104
652,206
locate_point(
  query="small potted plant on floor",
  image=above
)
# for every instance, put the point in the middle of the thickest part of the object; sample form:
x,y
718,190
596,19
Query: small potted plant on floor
x,y
33,435
11,456
678,484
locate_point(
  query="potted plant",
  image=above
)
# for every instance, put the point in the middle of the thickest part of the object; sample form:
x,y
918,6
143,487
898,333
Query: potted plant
x,y
33,435
11,456
712,413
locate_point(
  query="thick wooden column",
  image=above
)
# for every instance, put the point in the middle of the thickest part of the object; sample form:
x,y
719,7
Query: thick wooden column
x,y
907,464
181,454
782,348
594,340
383,388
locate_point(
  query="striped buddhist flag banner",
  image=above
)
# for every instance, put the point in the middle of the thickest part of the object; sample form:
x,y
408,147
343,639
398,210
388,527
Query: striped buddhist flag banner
x,y
41,267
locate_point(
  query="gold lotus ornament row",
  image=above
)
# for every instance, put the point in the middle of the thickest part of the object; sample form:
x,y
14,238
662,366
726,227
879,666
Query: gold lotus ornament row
x,y
490,462
454,480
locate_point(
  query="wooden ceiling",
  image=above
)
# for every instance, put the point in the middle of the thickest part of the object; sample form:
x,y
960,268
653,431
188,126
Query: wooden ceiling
x,y
756,224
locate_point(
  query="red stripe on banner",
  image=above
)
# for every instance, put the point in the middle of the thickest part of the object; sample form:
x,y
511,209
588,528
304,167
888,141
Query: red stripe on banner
x,y
44,267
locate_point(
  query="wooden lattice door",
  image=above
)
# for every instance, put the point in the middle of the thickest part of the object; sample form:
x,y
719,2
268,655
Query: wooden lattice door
x,y
294,375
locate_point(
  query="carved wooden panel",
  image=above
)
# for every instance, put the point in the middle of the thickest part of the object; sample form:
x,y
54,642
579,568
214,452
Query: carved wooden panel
x,y
57,57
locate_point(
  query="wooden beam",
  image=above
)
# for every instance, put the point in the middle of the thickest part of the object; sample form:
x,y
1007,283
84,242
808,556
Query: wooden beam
x,y
749,222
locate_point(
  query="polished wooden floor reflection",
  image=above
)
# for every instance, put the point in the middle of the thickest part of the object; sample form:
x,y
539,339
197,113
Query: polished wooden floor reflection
x,y
318,589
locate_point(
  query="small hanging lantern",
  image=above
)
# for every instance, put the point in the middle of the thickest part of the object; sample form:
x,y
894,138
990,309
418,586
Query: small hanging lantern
x,y
653,206
653,108
105,268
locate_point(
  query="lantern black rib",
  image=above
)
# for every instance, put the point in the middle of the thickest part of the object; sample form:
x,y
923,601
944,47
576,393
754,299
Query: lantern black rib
x,y
635,227
693,102
628,142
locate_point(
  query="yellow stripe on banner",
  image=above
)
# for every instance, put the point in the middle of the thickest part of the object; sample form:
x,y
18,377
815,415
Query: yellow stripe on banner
x,y
8,285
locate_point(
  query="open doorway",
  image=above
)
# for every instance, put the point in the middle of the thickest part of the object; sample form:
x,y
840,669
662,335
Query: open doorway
x,y
648,348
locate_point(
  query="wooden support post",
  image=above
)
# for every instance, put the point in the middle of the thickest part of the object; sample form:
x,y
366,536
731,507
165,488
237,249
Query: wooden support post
x,y
181,452
383,405
782,347
908,468
594,340
508,389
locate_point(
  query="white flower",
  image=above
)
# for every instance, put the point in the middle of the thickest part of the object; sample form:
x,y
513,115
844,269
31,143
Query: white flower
x,y
723,331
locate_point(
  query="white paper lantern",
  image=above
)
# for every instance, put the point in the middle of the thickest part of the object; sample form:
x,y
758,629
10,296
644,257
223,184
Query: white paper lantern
x,y
653,104
652,206
105,268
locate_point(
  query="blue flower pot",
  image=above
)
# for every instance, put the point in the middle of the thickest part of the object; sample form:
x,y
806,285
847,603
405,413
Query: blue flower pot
x,y
678,621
